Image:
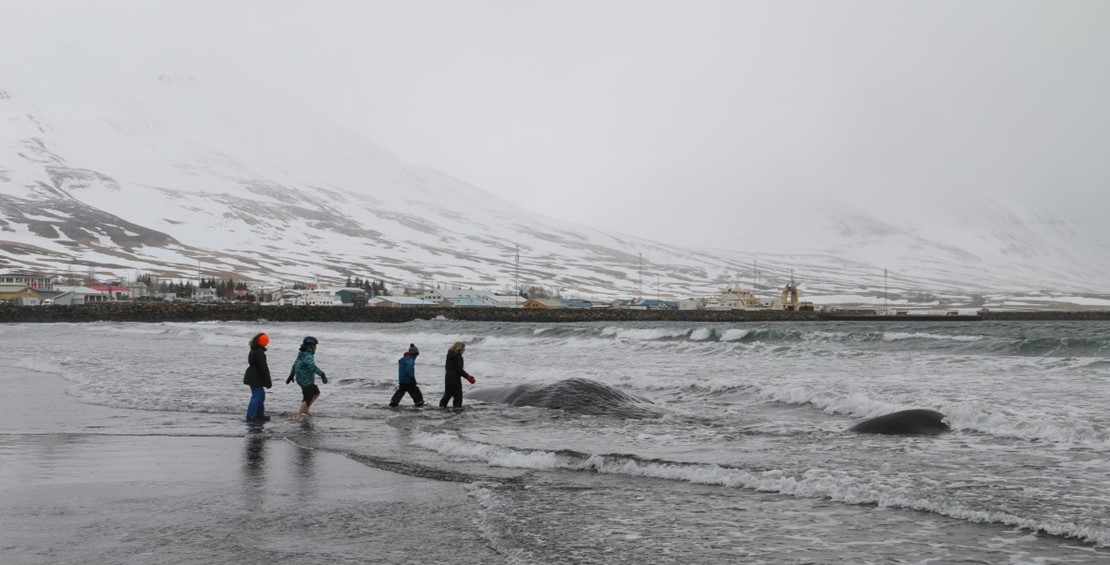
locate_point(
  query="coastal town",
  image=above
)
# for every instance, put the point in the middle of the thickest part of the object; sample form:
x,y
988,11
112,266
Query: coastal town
x,y
36,289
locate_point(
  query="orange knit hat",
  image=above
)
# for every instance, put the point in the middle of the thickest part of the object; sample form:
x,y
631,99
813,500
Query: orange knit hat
x,y
263,340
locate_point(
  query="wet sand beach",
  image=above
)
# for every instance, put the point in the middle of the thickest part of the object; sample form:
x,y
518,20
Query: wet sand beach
x,y
90,484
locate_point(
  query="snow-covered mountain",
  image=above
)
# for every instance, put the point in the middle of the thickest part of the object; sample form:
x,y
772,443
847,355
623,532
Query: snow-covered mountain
x,y
181,174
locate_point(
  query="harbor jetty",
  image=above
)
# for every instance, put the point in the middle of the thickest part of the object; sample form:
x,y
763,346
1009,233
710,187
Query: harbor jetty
x,y
154,312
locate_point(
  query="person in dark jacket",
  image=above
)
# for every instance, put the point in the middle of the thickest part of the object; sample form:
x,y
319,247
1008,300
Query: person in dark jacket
x,y
258,378
452,378
304,371
406,379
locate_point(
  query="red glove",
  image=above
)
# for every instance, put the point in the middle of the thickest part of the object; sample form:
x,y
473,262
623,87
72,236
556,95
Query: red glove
x,y
470,378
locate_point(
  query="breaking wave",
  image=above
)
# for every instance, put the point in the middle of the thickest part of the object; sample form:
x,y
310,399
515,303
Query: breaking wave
x,y
902,339
813,483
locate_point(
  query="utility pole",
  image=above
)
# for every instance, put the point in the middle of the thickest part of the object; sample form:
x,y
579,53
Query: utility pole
x,y
640,290
516,274
886,295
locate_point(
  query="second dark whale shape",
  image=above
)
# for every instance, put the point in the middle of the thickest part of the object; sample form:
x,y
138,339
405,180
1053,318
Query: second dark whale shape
x,y
907,422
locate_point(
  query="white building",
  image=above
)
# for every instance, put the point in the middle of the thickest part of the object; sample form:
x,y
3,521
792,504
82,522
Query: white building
x,y
507,300
322,297
399,302
37,282
457,296
77,295
314,297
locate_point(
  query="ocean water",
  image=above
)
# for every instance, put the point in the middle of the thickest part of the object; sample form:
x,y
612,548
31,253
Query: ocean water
x,y
720,443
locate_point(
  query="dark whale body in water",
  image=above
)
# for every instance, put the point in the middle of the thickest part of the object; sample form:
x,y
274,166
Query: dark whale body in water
x,y
906,422
578,396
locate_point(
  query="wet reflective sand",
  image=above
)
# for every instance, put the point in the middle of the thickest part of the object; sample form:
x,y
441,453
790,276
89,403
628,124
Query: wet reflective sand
x,y
88,484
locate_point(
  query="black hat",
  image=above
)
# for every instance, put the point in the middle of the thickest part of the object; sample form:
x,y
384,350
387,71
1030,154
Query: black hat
x,y
413,350
309,341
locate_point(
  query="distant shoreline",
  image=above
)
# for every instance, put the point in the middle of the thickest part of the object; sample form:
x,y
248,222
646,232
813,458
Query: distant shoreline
x,y
191,312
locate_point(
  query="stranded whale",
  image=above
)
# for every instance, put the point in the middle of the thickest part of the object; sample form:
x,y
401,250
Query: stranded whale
x,y
578,396
908,422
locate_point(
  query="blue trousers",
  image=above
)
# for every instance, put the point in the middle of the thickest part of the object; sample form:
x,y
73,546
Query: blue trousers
x,y
257,408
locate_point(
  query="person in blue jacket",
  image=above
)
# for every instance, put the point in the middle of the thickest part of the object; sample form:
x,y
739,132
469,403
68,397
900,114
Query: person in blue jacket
x,y
406,378
304,371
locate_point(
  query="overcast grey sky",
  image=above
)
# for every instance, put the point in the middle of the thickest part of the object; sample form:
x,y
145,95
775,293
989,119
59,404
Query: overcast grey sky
x,y
689,122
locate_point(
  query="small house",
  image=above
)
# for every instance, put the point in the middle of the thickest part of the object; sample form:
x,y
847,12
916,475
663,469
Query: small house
x,y
543,303
20,294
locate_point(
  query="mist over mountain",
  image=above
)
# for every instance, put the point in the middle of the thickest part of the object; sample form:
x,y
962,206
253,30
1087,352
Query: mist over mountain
x,y
182,174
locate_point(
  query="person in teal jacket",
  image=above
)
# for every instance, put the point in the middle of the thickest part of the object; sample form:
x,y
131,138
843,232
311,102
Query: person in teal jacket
x,y
304,371
406,378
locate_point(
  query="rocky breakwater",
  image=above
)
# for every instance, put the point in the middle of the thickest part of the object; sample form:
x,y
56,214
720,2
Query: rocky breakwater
x,y
1046,315
154,312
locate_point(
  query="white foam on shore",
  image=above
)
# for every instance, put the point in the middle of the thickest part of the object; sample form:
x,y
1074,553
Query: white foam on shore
x,y
39,365
899,336
644,334
1039,427
734,335
701,334
491,518
874,489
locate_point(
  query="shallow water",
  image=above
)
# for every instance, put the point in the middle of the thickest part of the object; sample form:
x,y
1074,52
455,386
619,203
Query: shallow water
x,y
744,457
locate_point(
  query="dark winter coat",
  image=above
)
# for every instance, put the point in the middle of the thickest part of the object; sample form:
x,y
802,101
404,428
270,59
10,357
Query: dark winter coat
x,y
258,372
454,369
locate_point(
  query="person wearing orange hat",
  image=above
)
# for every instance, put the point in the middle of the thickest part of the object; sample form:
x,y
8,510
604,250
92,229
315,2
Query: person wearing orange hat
x,y
258,378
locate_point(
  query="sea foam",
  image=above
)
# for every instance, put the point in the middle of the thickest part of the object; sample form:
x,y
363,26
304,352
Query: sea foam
x,y
875,489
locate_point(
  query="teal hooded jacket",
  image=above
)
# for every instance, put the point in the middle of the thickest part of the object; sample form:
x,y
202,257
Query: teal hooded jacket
x,y
305,368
